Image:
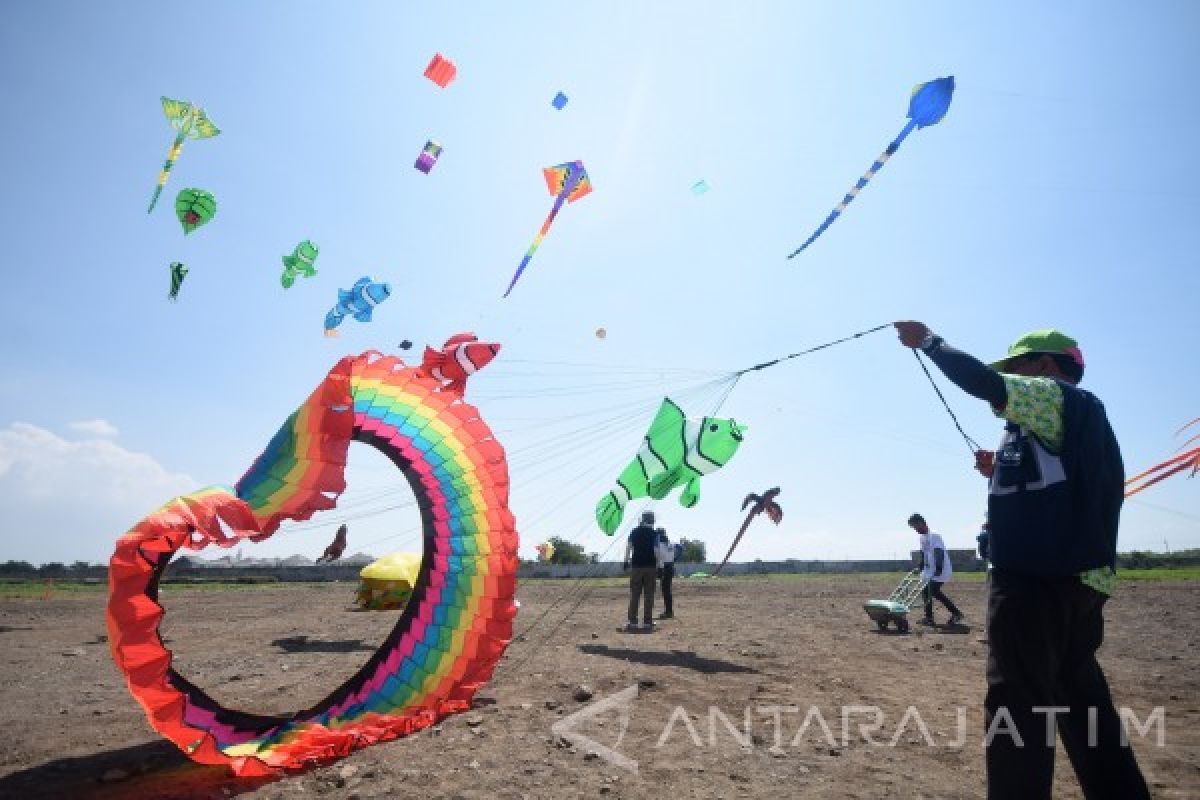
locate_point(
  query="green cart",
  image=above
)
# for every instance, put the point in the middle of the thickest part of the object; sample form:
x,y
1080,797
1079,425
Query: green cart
x,y
895,609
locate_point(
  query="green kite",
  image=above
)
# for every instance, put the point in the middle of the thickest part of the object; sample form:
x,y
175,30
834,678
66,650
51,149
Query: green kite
x,y
300,262
194,207
676,451
191,123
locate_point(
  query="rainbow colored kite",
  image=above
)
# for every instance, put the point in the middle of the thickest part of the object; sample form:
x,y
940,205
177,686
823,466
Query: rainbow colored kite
x,y
928,104
454,627
567,182
192,123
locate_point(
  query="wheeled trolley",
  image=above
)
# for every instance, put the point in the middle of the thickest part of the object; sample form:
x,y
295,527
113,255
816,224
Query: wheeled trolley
x,y
895,609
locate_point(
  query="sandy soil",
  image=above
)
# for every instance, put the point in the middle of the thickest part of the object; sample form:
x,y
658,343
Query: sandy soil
x,y
72,730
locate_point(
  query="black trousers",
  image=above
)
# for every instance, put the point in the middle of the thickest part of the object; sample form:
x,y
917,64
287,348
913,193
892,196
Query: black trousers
x,y
1043,634
666,575
934,589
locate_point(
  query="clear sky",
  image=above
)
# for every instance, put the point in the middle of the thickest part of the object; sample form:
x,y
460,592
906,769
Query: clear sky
x,y
1060,190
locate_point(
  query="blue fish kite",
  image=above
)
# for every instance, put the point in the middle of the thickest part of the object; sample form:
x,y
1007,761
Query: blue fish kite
x,y
358,302
929,103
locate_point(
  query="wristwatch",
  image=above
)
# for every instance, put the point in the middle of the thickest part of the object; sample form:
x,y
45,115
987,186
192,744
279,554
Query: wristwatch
x,y
931,342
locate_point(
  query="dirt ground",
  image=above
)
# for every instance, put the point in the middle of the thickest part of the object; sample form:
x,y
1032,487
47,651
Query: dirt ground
x,y
71,729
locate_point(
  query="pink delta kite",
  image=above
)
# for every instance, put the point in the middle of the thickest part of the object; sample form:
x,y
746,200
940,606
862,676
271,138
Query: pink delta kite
x,y
567,182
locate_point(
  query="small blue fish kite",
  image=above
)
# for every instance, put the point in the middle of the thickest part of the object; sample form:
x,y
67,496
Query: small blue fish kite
x,y
358,302
929,103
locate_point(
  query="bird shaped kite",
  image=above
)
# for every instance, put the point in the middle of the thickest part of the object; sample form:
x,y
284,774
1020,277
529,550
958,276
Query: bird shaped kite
x,y
676,451
567,182
762,505
336,547
178,273
928,104
300,262
358,301
194,207
191,123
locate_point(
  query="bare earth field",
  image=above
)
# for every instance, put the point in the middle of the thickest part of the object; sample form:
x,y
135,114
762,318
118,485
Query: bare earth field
x,y
71,729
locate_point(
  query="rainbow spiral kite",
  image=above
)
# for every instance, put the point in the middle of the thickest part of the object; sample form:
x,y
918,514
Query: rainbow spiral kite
x,y
450,635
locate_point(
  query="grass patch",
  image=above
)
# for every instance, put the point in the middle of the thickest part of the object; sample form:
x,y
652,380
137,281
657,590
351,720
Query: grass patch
x,y
1160,574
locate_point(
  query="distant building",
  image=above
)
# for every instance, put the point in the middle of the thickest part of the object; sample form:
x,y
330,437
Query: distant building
x,y
356,560
965,560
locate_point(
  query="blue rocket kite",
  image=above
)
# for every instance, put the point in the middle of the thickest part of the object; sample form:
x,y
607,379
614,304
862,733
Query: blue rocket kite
x,y
358,302
928,104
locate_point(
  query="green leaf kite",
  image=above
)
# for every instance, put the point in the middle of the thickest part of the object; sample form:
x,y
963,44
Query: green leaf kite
x,y
194,207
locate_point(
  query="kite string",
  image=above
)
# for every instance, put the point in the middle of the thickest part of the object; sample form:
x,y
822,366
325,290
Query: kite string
x,y
772,363
972,445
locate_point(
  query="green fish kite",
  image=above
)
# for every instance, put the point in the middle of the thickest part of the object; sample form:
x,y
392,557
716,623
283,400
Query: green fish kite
x,y
178,273
191,123
194,207
676,451
300,262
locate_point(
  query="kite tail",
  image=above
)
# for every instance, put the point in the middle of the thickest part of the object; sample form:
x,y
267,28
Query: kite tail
x,y
858,187
537,241
736,539
172,155
1177,464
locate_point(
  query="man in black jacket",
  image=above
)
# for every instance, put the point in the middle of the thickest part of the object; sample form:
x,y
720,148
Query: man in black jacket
x,y
640,553
1054,501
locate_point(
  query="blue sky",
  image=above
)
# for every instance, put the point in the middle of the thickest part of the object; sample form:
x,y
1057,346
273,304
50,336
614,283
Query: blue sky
x,y
1058,191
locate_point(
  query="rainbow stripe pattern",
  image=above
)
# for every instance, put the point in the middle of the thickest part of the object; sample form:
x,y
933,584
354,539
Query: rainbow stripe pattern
x,y
567,182
448,639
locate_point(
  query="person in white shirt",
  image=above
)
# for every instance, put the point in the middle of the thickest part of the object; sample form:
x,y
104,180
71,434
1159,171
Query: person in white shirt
x,y
664,551
936,569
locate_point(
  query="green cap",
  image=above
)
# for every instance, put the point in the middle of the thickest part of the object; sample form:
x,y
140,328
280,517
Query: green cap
x,y
1047,341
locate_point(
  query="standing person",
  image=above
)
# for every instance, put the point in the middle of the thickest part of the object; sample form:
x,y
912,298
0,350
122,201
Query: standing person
x,y
640,553
666,572
936,569
983,543
1054,504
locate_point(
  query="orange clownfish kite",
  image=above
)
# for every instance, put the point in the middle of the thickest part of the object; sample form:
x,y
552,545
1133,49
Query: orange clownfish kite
x,y
461,357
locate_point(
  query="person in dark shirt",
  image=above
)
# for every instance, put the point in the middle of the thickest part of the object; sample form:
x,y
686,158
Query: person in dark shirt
x,y
640,555
666,572
1054,501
